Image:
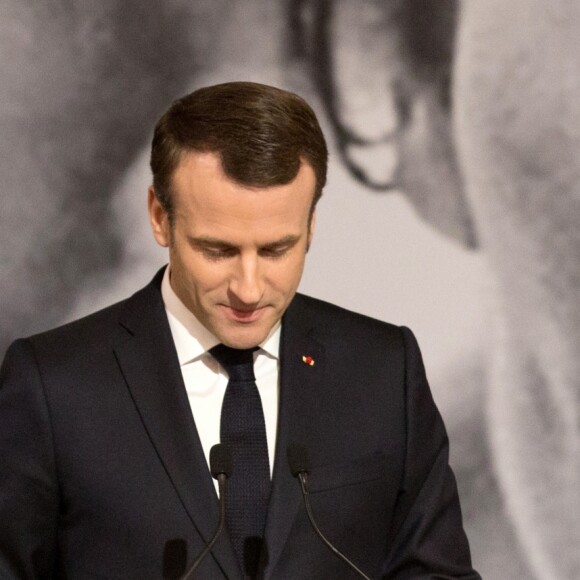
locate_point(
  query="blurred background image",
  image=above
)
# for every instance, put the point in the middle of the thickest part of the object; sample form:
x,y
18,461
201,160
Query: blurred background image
x,y
453,203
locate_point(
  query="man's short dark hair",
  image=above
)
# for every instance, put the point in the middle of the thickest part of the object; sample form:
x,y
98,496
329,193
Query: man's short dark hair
x,y
261,133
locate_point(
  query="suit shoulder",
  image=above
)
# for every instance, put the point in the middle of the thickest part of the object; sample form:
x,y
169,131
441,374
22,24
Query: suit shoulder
x,y
104,326
83,333
336,319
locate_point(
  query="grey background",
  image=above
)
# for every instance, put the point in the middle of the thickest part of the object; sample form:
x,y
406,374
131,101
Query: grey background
x,y
452,206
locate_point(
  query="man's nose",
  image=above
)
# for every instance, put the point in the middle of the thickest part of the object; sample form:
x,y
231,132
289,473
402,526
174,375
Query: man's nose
x,y
247,283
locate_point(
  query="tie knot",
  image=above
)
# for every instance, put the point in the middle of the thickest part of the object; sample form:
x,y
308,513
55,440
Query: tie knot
x,y
237,362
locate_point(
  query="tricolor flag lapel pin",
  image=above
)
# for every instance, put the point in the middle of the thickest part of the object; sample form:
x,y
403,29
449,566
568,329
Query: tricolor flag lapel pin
x,y
308,360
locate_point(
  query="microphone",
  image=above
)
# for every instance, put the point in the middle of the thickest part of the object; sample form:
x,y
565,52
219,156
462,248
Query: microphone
x,y
220,466
299,462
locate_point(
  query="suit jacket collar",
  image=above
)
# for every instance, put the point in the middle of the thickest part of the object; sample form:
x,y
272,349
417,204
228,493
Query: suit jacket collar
x,y
299,381
149,363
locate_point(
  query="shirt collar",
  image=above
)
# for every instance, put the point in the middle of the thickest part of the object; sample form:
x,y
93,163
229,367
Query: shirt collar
x,y
192,339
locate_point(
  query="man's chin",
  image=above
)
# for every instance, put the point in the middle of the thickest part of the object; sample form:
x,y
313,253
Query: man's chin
x,y
243,337
242,344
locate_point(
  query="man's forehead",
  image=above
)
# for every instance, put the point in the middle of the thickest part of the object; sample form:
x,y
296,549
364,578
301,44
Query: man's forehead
x,y
210,163
199,162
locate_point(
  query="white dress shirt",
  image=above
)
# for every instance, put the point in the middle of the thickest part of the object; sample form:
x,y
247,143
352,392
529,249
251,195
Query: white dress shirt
x,y
205,380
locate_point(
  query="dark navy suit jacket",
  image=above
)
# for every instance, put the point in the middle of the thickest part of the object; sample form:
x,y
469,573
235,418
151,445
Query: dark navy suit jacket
x,y
103,474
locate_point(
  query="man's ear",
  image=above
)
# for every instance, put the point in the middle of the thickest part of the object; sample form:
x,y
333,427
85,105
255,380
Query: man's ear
x,y
158,219
311,228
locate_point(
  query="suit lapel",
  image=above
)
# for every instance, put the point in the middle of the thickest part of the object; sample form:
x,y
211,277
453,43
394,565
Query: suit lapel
x,y
299,382
151,369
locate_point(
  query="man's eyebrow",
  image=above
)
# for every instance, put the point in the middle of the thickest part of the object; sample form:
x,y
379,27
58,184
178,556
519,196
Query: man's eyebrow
x,y
288,240
209,241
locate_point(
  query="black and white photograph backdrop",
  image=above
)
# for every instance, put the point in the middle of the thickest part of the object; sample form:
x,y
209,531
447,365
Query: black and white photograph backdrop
x,y
453,203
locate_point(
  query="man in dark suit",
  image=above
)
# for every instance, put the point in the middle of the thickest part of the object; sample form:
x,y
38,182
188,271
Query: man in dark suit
x,y
106,423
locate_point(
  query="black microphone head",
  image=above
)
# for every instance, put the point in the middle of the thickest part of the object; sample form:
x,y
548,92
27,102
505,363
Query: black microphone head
x,y
220,460
298,459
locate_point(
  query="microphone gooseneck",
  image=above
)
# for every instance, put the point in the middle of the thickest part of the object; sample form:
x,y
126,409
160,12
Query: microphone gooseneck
x,y
299,462
220,466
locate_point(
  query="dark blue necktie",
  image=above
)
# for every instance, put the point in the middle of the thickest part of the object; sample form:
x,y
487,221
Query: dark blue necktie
x,y
243,429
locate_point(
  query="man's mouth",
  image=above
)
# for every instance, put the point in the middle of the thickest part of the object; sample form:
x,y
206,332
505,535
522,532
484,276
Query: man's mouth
x,y
244,315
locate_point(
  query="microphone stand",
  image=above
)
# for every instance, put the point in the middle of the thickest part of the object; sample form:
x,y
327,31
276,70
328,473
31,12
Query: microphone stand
x,y
222,485
303,477
221,468
299,463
